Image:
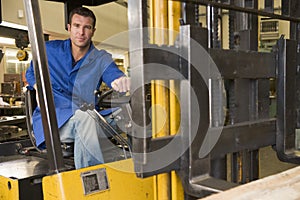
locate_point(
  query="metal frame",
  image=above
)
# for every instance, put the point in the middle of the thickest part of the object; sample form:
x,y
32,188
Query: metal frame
x,y
141,136
46,102
286,101
250,126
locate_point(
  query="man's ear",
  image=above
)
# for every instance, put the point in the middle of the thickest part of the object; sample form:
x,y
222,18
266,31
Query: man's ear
x,y
69,27
94,31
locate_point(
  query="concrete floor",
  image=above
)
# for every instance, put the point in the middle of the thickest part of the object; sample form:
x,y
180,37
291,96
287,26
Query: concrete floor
x,y
278,180
269,163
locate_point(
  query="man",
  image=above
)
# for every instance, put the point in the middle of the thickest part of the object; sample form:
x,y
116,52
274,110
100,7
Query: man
x,y
76,69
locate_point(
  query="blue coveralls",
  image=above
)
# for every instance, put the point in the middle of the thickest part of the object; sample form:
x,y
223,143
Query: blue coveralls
x,y
72,85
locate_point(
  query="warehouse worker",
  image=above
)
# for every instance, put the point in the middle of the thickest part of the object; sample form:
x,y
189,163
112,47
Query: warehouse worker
x,y
76,69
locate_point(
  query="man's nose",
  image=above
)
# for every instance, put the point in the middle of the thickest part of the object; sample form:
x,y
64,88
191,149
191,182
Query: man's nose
x,y
81,31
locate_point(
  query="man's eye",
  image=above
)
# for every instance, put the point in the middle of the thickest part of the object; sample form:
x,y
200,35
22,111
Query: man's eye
x,y
88,27
76,25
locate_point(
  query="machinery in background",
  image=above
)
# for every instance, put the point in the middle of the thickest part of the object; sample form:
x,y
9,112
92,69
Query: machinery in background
x,y
270,31
12,85
22,42
12,110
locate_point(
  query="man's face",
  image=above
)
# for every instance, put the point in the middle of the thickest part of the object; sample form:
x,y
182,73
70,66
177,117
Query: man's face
x,y
81,30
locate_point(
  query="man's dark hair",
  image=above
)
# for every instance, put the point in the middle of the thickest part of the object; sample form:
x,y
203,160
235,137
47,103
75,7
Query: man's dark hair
x,y
83,11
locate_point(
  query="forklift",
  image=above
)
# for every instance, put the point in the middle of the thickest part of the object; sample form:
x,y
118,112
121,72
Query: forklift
x,y
215,119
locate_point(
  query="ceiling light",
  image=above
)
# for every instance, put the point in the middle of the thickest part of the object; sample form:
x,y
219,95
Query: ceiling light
x,y
7,41
13,25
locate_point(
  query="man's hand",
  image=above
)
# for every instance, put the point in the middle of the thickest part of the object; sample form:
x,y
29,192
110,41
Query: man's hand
x,y
36,95
121,84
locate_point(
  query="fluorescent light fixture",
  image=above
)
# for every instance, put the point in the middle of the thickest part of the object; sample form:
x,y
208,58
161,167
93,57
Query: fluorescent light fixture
x,y
13,25
7,41
11,52
11,41
17,61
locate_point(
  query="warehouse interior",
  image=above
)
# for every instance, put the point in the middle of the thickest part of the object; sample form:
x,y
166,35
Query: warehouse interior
x,y
213,111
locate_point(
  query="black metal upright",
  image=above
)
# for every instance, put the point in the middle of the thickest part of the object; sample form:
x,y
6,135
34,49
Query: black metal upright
x,y
294,7
245,163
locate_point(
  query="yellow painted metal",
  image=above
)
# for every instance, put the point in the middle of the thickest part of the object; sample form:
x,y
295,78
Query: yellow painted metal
x,y
161,128
9,188
174,16
160,21
174,107
150,21
163,187
162,113
123,184
165,105
160,94
174,12
153,102
177,191
176,185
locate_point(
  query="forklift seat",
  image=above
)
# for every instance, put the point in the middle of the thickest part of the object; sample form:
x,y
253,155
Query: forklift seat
x,y
31,103
116,149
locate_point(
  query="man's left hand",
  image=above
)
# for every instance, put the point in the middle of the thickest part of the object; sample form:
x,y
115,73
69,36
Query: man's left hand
x,y
121,84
